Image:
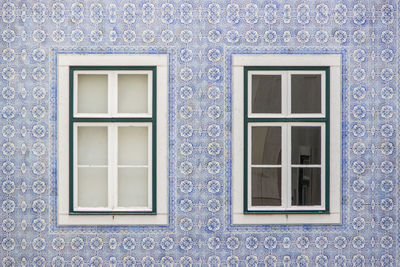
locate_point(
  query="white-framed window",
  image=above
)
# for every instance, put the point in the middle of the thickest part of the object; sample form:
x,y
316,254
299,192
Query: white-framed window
x,y
112,139
286,139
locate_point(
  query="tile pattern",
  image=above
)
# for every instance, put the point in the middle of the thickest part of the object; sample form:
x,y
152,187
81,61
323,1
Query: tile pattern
x,y
200,37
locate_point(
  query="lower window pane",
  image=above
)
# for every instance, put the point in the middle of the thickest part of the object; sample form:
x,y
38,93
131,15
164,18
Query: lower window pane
x,y
92,187
132,187
266,187
92,145
306,145
266,145
306,186
133,145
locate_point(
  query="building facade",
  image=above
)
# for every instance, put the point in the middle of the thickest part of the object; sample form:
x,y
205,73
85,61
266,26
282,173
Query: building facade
x,y
200,41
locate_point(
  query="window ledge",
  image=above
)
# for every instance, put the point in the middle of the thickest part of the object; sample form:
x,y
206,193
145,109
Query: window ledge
x,y
67,219
261,219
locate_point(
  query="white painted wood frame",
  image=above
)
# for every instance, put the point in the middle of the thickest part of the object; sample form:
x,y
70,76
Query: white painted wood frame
x,y
333,61
161,63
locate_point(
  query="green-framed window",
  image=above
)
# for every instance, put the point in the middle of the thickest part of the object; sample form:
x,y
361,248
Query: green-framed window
x,y
113,139
286,139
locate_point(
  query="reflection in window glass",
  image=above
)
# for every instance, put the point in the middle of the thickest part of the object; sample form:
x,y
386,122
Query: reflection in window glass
x,y
306,186
266,186
306,93
306,145
266,94
266,145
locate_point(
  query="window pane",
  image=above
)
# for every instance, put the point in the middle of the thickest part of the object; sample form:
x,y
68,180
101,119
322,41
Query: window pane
x,y
92,93
92,187
266,94
92,146
306,93
266,145
132,93
306,145
266,186
132,187
132,145
306,186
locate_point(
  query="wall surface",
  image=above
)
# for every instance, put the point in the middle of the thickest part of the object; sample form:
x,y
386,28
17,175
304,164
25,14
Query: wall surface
x,y
200,37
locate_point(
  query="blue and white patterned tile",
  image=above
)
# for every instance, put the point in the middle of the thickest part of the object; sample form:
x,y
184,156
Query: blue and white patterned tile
x,y
200,37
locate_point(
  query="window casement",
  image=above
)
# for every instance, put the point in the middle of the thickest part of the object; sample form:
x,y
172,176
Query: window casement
x,y
112,139
286,139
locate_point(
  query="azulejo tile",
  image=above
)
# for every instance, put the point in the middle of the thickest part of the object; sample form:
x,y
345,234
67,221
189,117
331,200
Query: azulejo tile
x,y
200,38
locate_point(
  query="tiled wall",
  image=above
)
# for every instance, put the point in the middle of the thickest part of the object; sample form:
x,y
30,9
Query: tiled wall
x,y
200,37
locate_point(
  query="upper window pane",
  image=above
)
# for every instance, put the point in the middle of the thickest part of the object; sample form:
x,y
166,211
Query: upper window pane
x,y
266,94
92,93
133,93
306,93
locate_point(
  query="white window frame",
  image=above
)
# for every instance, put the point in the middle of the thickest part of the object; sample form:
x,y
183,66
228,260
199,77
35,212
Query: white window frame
x,y
112,129
160,61
333,61
112,97
286,93
286,166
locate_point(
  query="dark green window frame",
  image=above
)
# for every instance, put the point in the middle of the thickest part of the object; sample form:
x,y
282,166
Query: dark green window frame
x,y
248,120
152,120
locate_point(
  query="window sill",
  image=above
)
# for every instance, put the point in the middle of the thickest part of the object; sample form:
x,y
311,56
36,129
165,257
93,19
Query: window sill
x,y
68,219
262,219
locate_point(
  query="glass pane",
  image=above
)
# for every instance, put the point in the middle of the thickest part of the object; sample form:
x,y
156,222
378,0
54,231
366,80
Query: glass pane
x,y
92,187
92,93
132,187
266,94
132,145
92,146
266,145
266,186
306,145
306,186
306,93
132,93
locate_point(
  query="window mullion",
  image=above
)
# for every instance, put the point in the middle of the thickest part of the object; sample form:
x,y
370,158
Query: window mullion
x,y
285,93
113,141
112,93
289,161
111,166
285,166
